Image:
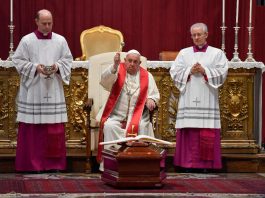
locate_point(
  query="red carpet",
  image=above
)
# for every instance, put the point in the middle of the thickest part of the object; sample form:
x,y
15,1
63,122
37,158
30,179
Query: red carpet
x,y
242,185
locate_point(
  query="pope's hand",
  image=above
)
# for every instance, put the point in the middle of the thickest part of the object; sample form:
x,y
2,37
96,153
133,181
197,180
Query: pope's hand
x,y
150,104
117,60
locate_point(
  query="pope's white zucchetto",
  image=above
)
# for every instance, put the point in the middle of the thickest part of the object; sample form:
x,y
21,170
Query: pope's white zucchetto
x,y
133,51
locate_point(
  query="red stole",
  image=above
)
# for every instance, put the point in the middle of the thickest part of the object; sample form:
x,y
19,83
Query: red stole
x,y
133,126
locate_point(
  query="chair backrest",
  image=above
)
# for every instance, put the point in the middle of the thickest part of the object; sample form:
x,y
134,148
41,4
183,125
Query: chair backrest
x,y
168,55
99,40
98,63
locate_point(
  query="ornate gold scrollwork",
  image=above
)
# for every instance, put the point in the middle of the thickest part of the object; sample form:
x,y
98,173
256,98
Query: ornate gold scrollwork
x,y
76,96
9,82
236,108
168,104
234,104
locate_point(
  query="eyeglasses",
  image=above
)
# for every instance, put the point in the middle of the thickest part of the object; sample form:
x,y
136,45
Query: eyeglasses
x,y
197,35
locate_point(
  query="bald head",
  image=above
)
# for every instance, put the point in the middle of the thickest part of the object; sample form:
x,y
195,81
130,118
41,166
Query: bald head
x,y
43,12
44,21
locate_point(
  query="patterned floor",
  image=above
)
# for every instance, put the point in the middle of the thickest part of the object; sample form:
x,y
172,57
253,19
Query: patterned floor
x,y
167,195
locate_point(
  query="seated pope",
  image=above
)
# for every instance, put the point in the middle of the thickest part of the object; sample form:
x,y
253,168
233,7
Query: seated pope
x,y
133,95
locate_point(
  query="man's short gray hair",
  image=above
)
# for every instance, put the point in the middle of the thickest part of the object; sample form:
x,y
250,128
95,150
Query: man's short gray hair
x,y
199,25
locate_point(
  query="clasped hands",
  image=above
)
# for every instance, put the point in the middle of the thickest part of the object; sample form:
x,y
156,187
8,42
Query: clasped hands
x,y
197,68
41,69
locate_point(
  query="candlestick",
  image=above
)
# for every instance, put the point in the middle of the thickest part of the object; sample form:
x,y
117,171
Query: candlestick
x,y
223,13
11,29
11,44
11,10
250,11
223,37
250,57
236,57
237,10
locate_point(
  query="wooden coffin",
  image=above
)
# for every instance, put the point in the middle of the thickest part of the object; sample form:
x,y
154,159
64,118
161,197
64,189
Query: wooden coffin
x,y
137,165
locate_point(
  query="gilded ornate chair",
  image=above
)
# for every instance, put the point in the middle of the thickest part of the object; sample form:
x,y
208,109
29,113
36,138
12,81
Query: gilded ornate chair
x,y
99,40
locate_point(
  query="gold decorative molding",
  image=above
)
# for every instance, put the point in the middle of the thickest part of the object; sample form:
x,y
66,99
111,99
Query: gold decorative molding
x,y
236,105
8,126
76,96
237,112
236,108
168,105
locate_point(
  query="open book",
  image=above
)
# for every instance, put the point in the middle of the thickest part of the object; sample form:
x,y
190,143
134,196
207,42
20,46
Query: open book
x,y
143,138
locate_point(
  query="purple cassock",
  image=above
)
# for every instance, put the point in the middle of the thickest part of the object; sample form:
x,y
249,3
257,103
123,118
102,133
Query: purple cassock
x,y
40,147
198,148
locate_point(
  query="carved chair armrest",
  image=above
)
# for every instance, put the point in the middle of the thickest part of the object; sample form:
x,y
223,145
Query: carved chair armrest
x,y
88,104
81,58
153,113
87,107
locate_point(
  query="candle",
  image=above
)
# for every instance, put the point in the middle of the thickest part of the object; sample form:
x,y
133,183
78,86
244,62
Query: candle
x,y
223,13
237,9
250,11
11,10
